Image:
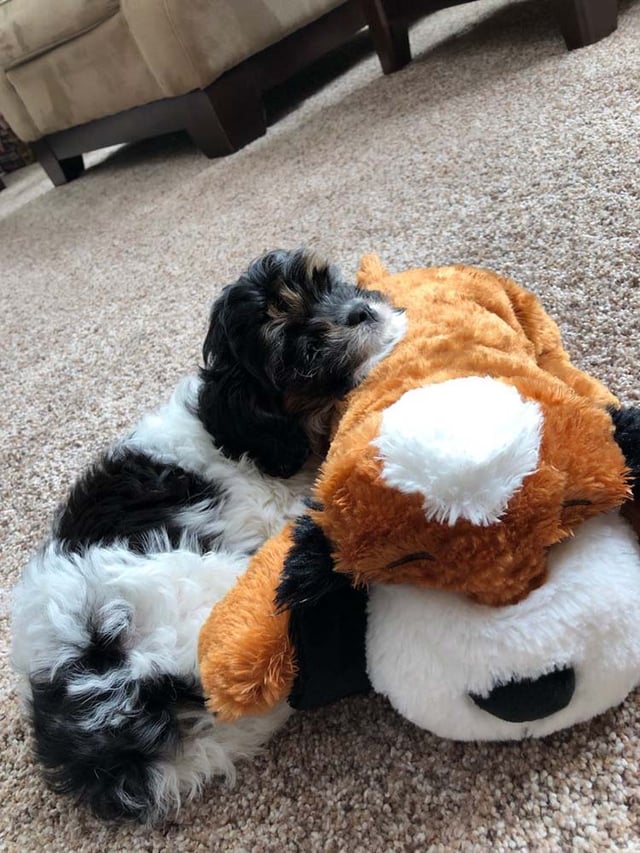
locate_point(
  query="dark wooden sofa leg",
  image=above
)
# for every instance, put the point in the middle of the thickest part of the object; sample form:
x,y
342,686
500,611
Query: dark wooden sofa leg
x,y
584,22
61,171
390,38
227,115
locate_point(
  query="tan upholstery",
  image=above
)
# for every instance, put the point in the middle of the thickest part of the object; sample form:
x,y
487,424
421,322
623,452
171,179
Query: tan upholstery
x,y
15,111
29,27
189,44
67,62
97,74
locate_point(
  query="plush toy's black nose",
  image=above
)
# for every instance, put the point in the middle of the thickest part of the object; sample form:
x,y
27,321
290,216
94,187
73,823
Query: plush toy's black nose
x,y
519,701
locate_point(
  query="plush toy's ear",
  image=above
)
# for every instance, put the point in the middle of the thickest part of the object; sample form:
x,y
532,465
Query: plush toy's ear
x,y
371,271
626,422
327,622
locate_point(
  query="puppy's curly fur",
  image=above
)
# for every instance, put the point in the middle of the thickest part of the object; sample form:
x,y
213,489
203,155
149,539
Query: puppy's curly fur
x,y
107,614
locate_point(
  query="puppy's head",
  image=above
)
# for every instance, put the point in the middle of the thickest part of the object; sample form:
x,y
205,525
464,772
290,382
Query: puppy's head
x,y
285,342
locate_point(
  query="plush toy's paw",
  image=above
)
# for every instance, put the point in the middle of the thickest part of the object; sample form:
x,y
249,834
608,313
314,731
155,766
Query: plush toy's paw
x,y
244,653
250,679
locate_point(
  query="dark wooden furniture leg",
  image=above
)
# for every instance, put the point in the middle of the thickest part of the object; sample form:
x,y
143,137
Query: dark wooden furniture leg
x,y
584,22
390,38
226,115
61,171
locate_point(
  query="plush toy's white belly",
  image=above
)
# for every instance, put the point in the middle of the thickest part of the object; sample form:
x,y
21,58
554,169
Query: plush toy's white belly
x,y
428,651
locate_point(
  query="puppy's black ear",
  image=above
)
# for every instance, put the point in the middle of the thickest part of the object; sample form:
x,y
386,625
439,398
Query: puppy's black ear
x,y
242,419
239,404
626,421
327,624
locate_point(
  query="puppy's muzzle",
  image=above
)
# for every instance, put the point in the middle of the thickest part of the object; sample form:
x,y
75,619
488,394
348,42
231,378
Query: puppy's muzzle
x,y
526,699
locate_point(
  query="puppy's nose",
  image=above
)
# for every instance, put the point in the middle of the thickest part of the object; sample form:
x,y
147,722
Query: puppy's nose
x,y
526,699
360,312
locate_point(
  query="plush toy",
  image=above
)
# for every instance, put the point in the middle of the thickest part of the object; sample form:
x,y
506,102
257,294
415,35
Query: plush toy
x,y
464,553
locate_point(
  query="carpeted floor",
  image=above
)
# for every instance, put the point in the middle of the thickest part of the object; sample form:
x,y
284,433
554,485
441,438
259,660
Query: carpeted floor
x,y
495,147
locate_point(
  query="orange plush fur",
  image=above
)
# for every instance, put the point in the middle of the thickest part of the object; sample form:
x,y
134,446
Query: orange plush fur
x,y
461,322
244,650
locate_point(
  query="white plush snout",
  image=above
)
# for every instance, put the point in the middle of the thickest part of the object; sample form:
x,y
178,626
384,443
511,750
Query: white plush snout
x,y
431,651
465,445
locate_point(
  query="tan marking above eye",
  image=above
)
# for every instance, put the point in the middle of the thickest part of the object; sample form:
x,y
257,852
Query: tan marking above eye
x,y
291,298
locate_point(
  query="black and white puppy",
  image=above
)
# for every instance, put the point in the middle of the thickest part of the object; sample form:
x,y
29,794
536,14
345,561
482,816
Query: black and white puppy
x,y
107,614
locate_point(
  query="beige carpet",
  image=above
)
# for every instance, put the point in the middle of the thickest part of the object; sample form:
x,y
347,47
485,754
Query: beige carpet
x,y
495,147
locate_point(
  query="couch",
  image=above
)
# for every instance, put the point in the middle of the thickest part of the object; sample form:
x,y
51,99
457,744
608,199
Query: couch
x,y
82,74
76,75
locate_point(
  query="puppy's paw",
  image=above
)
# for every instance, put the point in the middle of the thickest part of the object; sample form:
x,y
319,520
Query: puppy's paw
x,y
283,468
282,454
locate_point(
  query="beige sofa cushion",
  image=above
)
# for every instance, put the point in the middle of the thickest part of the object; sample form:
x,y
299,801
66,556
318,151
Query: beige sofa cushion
x,y
15,112
30,27
189,44
71,61
97,74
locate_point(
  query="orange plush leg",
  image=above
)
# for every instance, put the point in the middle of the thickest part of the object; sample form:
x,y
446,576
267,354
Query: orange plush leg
x,y
371,271
543,332
245,657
